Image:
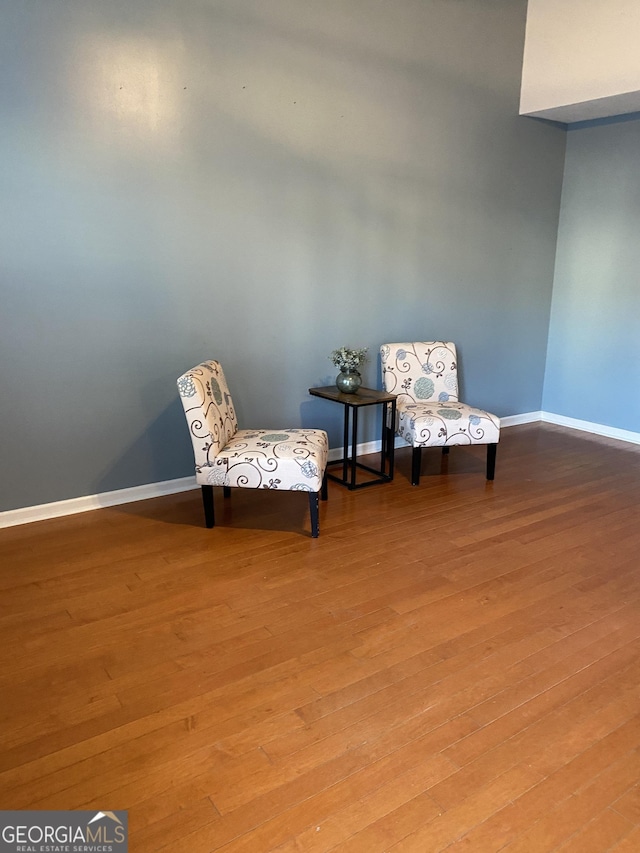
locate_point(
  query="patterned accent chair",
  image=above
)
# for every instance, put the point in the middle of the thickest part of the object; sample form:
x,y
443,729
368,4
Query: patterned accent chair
x,y
424,376
289,459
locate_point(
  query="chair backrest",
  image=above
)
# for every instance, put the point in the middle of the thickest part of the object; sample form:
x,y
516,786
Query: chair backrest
x,y
209,410
420,371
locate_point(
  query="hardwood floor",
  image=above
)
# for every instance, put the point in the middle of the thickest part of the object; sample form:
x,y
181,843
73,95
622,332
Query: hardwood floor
x,y
449,667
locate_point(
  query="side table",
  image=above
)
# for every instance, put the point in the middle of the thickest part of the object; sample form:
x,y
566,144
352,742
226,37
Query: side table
x,y
351,403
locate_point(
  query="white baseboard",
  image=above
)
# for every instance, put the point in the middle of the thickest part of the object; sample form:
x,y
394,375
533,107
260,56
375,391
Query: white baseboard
x,y
524,418
169,487
594,429
120,496
362,449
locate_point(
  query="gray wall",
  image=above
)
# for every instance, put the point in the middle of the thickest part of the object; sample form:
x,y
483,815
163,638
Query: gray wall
x,y
260,183
593,365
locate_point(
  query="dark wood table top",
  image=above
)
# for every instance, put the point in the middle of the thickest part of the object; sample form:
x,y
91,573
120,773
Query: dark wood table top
x,y
362,397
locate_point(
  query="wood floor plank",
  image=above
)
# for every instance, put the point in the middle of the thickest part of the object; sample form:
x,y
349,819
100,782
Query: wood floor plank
x,y
526,810
578,809
449,667
629,844
599,834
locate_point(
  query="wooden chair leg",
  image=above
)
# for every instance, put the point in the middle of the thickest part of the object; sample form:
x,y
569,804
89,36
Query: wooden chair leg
x,y
416,465
445,450
324,494
226,491
207,500
491,460
314,505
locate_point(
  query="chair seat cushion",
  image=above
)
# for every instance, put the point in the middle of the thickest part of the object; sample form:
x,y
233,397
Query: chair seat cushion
x,y
438,424
289,459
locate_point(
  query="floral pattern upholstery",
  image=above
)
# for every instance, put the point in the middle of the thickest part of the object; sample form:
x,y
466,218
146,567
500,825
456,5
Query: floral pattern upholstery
x,y
289,459
424,376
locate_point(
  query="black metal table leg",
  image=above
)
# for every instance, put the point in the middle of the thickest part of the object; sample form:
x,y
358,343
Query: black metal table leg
x,y
345,445
349,463
394,412
391,433
354,446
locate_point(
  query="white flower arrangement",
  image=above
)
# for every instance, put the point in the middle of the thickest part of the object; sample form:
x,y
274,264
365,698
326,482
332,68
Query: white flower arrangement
x,y
348,360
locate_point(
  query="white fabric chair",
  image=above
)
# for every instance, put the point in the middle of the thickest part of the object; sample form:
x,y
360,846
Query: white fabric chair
x,y
424,376
285,459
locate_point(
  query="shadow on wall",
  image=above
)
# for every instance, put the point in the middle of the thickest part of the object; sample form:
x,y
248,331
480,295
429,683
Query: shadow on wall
x,y
162,452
